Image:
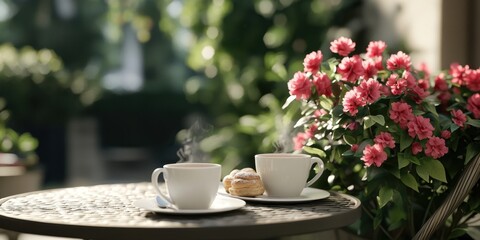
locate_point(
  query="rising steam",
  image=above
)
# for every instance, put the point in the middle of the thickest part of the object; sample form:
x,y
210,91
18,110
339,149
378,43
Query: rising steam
x,y
190,150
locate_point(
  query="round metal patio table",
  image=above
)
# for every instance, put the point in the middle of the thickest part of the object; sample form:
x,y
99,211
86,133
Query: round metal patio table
x,y
107,212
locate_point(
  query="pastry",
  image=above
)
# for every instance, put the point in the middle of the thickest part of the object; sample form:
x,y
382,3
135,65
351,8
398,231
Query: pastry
x,y
227,180
245,183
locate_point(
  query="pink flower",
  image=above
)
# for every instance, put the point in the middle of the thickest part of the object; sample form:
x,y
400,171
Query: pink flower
x,y
435,147
444,97
319,112
312,62
352,101
459,73
378,63
385,139
401,113
385,90
343,46
322,84
299,140
458,117
397,85
369,90
411,80
420,94
300,86
441,83
416,148
369,69
350,68
375,49
446,134
423,83
473,105
352,126
310,132
354,147
374,155
399,61
473,80
420,127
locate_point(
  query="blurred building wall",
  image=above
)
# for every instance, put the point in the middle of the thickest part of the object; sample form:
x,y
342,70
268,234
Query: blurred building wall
x,y
461,32
411,24
437,32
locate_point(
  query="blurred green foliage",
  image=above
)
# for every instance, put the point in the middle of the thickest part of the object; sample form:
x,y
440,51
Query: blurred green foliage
x,y
244,52
23,145
37,88
231,59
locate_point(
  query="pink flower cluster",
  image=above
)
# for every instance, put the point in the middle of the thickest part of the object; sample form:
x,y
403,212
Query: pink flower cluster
x,y
462,76
301,84
375,155
473,105
374,80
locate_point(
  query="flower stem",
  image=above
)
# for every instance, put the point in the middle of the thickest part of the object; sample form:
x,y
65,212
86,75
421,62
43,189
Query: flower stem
x,y
427,211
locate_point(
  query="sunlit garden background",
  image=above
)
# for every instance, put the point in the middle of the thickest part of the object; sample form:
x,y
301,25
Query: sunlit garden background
x,y
105,91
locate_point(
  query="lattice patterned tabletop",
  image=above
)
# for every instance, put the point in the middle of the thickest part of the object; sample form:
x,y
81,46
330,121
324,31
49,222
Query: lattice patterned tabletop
x,y
107,212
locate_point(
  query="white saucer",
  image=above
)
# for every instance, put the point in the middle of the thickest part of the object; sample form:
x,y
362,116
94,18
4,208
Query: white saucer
x,y
221,204
308,194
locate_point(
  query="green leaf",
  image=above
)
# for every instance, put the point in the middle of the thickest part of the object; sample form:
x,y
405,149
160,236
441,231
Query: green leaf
x,y
402,160
301,121
326,103
349,139
332,64
311,150
430,107
453,127
395,172
347,153
288,101
405,141
385,195
423,173
457,233
409,181
379,119
368,121
414,160
473,122
435,169
418,112
337,111
472,150
396,215
338,133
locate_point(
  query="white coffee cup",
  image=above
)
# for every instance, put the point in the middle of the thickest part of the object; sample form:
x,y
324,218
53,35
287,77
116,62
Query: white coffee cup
x,y
189,185
285,174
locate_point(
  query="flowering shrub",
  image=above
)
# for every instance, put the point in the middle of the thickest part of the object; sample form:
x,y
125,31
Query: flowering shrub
x,y
391,134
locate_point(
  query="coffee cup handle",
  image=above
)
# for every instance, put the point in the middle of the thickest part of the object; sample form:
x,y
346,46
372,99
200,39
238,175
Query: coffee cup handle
x,y
155,174
321,167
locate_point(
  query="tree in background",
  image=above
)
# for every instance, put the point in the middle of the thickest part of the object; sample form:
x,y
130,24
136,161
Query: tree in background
x,y
243,51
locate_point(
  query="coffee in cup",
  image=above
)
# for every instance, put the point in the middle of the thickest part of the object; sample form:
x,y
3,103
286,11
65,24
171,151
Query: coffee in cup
x,y
285,174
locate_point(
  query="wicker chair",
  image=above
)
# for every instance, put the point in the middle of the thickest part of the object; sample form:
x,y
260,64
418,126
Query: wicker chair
x,y
464,185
